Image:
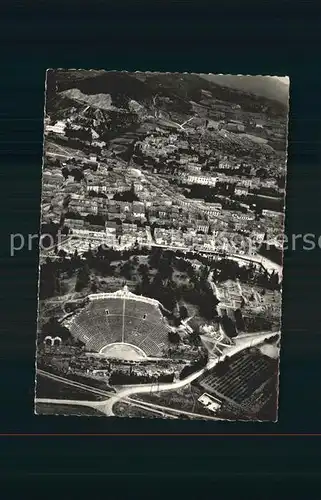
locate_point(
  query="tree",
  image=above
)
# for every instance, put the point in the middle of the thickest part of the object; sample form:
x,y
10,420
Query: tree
x,y
281,182
191,272
82,279
207,302
262,173
181,265
173,337
135,260
195,339
48,280
183,312
65,172
198,365
55,329
77,174
274,281
62,253
228,327
155,256
95,220
126,270
222,368
167,297
240,325
165,269
128,195
143,269
83,134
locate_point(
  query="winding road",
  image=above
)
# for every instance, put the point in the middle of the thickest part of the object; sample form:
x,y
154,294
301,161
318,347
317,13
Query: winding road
x,y
106,406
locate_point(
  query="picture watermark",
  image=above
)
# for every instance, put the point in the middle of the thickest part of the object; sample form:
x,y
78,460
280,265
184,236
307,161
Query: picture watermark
x,y
232,243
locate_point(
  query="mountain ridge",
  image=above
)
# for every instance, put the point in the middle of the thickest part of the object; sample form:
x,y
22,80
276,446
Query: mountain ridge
x,y
269,87
177,88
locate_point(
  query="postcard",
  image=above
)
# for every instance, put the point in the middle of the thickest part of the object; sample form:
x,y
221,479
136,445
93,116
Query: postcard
x,y
161,248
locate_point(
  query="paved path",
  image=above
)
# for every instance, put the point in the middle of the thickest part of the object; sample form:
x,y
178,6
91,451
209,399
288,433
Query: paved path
x,y
74,383
106,406
164,409
241,344
73,402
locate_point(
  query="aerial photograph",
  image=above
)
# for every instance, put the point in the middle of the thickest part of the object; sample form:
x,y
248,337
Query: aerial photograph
x,y
161,248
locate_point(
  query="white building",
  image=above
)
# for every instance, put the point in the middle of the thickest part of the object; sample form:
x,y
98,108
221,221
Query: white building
x,y
57,128
241,191
202,179
96,189
271,213
138,209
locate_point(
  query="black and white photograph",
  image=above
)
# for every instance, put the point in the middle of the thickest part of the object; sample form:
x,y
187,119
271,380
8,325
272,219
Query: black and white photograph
x,y
161,249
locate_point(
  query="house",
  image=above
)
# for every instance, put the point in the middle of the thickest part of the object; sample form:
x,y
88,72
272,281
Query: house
x,y
271,213
258,237
129,228
225,164
241,191
202,226
111,227
138,187
234,126
58,128
204,180
74,223
245,182
211,208
138,209
96,188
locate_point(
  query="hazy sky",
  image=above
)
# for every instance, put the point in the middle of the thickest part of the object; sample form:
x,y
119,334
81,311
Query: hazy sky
x,y
283,79
271,87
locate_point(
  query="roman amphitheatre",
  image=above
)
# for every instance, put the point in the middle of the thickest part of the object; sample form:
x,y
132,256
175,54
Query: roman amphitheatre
x,y
121,325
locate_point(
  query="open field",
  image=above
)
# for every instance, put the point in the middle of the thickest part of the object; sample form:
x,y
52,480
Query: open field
x,y
237,379
63,151
123,409
68,410
49,388
185,399
255,138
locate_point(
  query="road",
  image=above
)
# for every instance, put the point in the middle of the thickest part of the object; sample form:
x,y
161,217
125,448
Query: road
x,y
100,405
150,409
164,409
73,383
106,406
73,402
96,404
265,263
241,344
57,154
269,265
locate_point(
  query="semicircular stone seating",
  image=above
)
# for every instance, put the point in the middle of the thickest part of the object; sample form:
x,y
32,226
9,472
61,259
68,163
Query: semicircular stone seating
x,y
111,320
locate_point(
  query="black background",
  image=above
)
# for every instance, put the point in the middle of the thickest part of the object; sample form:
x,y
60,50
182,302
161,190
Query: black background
x,y
274,38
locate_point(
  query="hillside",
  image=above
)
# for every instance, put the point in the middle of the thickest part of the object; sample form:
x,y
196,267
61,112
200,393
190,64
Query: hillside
x,y
263,86
101,101
115,104
176,90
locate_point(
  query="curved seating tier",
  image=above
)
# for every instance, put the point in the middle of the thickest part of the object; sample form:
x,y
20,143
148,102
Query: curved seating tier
x,y
111,320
